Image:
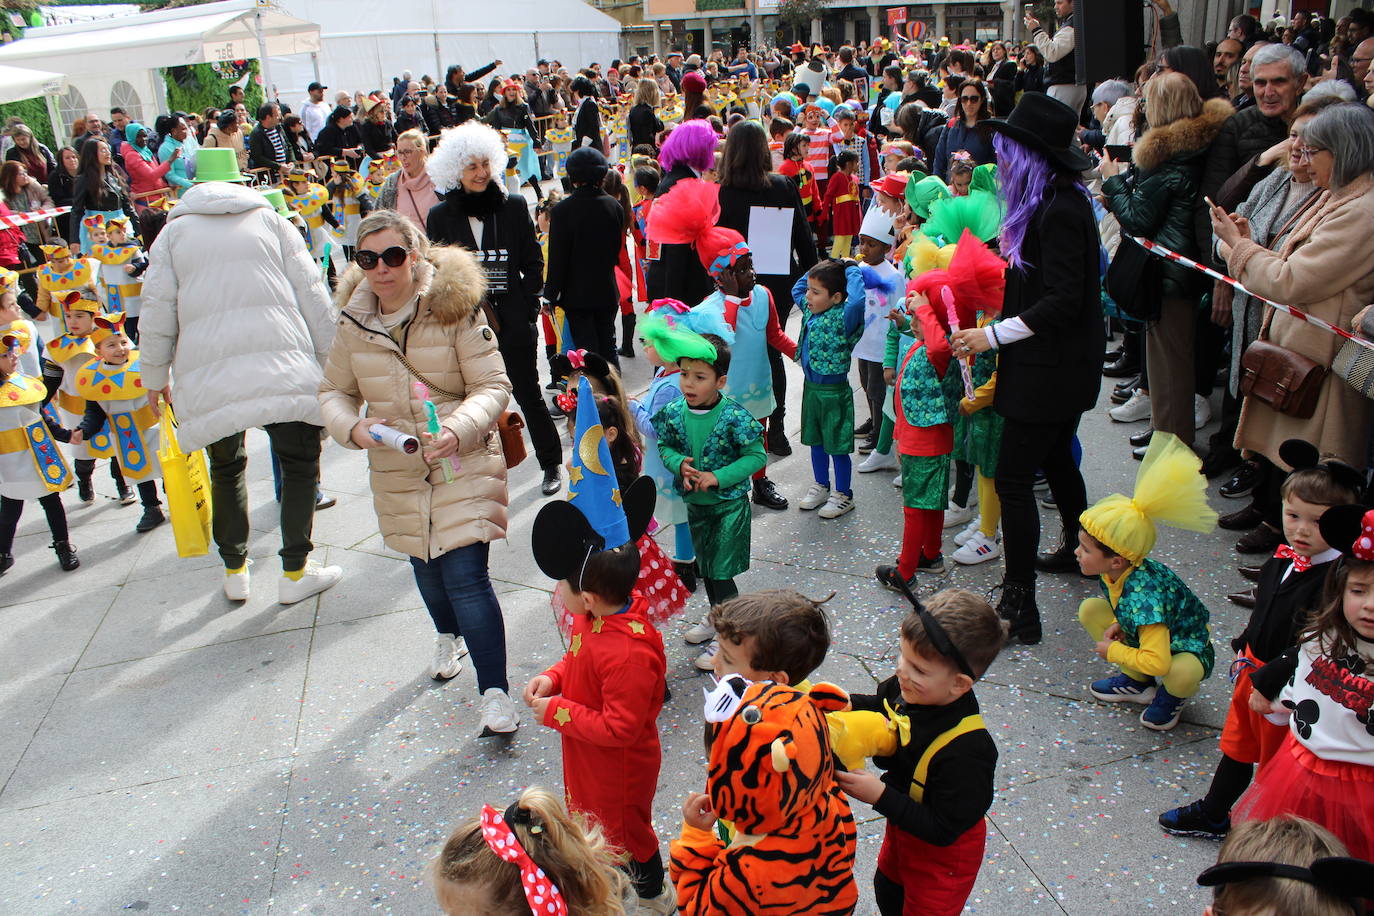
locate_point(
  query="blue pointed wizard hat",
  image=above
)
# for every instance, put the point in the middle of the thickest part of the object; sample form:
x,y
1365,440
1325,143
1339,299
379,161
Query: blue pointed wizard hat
x,y
596,516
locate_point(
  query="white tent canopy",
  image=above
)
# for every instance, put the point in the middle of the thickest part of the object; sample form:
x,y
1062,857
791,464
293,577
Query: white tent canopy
x,y
22,83
366,43
175,37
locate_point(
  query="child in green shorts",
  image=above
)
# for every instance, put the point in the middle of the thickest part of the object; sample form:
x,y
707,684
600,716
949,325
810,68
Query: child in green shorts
x,y
825,349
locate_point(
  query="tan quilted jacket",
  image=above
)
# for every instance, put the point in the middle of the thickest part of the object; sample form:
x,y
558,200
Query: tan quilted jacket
x,y
449,342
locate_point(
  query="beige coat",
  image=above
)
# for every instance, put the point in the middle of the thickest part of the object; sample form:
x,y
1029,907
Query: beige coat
x,y
1325,268
449,342
220,138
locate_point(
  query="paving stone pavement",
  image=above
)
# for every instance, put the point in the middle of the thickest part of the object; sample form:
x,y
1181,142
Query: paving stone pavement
x,y
163,750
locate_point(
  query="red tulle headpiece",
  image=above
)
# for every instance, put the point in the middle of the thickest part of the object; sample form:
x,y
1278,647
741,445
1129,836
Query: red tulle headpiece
x,y
687,215
975,278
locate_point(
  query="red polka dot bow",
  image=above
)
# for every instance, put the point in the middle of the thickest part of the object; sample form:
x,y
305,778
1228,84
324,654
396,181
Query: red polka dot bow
x,y
1300,562
1363,548
540,892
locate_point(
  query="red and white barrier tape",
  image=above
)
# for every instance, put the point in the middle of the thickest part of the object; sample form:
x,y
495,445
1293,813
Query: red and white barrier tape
x,y
15,220
1159,250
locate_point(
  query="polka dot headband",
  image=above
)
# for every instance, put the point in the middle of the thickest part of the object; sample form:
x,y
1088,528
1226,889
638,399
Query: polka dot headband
x,y
541,893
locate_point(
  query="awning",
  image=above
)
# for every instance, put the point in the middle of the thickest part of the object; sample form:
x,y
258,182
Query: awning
x,y
22,83
170,38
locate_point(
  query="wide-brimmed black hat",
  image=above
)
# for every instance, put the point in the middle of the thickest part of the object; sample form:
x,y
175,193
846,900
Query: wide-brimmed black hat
x,y
1047,126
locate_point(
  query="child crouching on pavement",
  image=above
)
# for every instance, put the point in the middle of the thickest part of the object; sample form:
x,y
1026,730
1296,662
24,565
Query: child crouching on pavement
x,y
1150,624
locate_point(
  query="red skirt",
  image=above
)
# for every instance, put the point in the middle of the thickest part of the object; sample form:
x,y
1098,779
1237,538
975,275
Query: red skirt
x,y
1336,794
935,880
658,583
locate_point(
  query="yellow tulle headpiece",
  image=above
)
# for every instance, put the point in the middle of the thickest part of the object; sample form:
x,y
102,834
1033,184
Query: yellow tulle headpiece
x,y
923,255
1169,488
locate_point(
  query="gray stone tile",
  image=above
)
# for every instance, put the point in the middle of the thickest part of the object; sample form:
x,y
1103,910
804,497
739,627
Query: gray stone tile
x,y
202,842
23,704
108,550
372,585
165,717
48,636
188,610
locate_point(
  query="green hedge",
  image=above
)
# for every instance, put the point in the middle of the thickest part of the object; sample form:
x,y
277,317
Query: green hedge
x,y
35,115
199,86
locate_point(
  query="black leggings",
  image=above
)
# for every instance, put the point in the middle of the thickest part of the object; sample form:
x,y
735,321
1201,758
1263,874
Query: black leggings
x,y
888,895
719,591
12,509
85,467
1228,785
1027,447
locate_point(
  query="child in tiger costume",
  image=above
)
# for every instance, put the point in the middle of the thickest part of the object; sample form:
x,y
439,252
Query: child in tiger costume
x,y
772,774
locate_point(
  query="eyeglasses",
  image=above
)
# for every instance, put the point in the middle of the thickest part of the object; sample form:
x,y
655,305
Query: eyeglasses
x,y
1305,153
394,256
971,98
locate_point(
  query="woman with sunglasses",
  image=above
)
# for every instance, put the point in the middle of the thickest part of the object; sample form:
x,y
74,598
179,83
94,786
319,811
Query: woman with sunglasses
x,y
474,212
411,321
965,131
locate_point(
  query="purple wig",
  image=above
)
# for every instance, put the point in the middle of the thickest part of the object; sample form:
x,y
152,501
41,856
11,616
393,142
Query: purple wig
x,y
1023,176
691,143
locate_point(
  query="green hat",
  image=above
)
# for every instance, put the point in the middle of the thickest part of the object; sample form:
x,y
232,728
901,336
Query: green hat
x,y
277,199
921,194
984,178
217,164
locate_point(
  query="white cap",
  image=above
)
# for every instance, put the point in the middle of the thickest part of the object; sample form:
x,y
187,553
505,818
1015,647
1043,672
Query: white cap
x,y
878,225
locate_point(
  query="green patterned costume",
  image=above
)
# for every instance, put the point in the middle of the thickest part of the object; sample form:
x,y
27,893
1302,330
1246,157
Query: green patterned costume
x,y
1153,593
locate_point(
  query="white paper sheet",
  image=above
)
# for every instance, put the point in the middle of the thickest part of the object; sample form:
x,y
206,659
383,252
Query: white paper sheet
x,y
770,239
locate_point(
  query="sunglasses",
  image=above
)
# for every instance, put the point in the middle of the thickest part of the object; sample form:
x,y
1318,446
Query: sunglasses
x,y
394,256
971,98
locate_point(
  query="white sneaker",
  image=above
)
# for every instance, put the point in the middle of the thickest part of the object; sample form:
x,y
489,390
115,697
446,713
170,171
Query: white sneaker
x,y
662,905
1202,412
956,515
877,461
897,481
838,504
1137,408
316,579
706,661
499,713
446,662
978,549
700,632
815,497
973,528
236,585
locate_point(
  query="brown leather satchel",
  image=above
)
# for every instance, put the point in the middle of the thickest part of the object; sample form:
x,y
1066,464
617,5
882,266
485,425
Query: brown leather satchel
x,y
1285,380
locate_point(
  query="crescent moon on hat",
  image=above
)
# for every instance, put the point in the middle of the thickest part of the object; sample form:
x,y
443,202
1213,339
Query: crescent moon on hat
x,y
589,447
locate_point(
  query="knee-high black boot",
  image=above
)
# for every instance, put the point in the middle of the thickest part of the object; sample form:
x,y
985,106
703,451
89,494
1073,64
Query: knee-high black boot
x,y
627,335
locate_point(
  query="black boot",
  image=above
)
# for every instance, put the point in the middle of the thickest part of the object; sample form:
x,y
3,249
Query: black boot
x,y
6,561
1062,559
687,572
1017,607
66,555
84,491
152,517
126,495
776,440
767,495
627,335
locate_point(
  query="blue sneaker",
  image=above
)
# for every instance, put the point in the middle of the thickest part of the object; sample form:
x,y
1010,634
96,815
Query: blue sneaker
x,y
1192,820
1123,689
1163,712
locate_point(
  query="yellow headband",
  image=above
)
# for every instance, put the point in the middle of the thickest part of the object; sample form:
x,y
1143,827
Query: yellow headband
x,y
120,221
107,326
56,252
9,279
81,300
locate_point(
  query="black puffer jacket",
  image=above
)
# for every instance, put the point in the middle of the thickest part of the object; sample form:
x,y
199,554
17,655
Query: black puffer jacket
x,y
1247,134
1159,196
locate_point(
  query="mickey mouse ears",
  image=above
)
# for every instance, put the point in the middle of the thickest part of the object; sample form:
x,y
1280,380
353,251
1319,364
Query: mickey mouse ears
x,y
1301,455
563,538
1349,529
1338,875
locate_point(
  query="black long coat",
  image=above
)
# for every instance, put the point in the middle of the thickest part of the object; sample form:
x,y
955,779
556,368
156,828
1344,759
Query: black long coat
x,y
1054,375
586,235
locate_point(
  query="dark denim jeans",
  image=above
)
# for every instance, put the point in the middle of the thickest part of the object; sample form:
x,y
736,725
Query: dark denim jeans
x,y
461,601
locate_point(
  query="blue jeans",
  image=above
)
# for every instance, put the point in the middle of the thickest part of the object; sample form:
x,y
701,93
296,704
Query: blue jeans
x,y
460,600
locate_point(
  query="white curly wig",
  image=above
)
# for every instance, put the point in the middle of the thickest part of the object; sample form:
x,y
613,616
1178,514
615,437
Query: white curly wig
x,y
461,145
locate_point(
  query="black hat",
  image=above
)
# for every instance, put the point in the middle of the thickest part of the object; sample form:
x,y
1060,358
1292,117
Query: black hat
x,y
586,166
340,112
563,538
1047,126
317,85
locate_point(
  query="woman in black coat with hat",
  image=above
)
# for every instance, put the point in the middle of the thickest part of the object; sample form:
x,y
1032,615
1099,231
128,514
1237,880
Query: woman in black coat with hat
x,y
586,233
467,169
1050,340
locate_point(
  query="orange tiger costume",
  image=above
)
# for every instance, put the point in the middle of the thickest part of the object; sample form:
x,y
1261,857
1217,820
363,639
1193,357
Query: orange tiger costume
x,y
771,773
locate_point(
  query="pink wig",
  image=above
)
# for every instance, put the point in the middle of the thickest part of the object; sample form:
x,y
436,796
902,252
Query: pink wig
x,y
691,143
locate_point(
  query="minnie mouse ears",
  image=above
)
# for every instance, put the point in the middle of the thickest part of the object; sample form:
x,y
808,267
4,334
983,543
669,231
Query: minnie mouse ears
x,y
563,538
1349,529
1301,455
1340,876
593,364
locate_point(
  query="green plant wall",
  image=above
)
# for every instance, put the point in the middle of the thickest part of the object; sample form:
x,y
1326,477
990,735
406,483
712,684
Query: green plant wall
x,y
35,115
201,86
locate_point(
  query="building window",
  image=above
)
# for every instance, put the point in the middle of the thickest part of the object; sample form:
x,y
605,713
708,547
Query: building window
x,y
125,96
71,106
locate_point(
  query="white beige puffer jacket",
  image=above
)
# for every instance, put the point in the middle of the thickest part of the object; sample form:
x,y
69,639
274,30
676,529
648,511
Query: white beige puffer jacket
x,y
449,342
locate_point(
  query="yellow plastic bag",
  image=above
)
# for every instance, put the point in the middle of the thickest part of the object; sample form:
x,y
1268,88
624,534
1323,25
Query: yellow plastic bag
x,y
186,479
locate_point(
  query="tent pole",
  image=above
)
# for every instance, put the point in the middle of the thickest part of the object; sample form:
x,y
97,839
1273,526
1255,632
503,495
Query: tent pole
x,y
59,130
438,56
315,64
269,91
